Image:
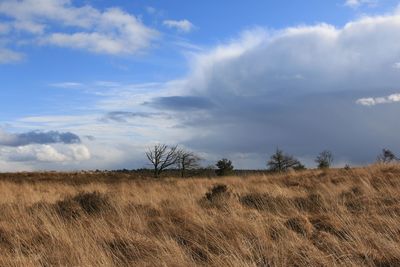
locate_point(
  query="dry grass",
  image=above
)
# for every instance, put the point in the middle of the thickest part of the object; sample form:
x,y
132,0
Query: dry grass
x,y
310,218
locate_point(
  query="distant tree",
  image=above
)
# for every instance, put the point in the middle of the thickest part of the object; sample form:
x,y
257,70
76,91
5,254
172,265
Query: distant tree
x,y
280,162
187,160
299,167
162,157
324,159
387,156
225,167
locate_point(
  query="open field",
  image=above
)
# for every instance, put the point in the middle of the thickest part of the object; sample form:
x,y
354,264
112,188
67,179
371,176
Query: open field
x,y
312,218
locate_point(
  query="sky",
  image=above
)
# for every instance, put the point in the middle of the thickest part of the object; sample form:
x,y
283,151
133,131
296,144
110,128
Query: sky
x,y
93,84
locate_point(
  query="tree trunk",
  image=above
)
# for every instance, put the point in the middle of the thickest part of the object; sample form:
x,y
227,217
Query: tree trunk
x,y
183,172
155,172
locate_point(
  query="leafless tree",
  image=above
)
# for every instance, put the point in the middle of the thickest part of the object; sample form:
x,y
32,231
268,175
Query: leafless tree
x,y
161,157
280,162
187,160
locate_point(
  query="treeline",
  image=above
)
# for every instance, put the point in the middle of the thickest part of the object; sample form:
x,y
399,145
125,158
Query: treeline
x,y
173,160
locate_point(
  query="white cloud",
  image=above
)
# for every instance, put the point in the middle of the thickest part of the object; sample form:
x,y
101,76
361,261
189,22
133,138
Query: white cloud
x,y
67,85
9,56
352,3
181,25
151,10
372,101
93,42
107,84
57,10
29,26
112,31
358,3
4,28
46,153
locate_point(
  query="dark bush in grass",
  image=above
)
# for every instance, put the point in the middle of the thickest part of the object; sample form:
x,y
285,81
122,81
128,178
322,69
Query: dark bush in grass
x,y
72,207
217,192
68,208
93,202
217,197
265,202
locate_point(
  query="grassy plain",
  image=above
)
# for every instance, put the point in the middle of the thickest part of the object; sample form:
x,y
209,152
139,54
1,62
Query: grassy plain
x,y
334,217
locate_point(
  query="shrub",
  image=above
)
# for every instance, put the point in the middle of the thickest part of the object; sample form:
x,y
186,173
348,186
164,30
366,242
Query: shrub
x,y
387,156
216,197
68,208
217,192
93,202
225,167
324,159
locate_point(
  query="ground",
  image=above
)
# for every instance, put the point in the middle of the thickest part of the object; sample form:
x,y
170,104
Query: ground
x,y
334,217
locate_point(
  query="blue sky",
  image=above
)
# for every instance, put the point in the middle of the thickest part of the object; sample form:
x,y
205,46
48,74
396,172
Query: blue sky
x,y
92,84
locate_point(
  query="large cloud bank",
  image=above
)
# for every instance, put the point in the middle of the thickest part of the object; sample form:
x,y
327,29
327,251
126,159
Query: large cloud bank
x,y
298,89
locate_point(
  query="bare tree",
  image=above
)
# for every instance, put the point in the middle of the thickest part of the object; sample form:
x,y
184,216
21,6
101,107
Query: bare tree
x,y
162,157
324,159
186,160
387,156
282,162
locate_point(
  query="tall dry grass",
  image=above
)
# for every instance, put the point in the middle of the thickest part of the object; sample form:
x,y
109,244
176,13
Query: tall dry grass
x,y
311,218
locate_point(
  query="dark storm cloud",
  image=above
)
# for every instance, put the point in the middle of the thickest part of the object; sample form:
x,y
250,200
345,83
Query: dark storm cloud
x,y
124,116
37,137
181,103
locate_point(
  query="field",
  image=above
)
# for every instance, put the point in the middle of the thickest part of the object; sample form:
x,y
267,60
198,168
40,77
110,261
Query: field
x,y
331,217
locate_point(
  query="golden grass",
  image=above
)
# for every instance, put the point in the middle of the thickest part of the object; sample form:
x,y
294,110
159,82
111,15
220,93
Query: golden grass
x,y
312,218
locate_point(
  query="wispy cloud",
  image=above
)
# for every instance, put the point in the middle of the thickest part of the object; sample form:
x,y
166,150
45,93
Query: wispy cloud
x,y
358,3
125,116
9,56
107,84
181,25
396,65
67,85
372,101
181,103
151,10
4,28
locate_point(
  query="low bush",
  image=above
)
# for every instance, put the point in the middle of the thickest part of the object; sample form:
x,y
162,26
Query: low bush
x,y
72,207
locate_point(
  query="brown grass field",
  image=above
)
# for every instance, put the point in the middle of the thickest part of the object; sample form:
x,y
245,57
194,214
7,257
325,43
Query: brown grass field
x,y
334,217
